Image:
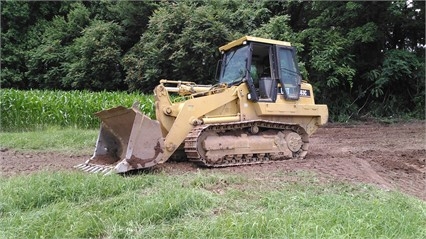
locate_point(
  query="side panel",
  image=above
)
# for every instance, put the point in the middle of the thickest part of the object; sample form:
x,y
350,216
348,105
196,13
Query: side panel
x,y
303,112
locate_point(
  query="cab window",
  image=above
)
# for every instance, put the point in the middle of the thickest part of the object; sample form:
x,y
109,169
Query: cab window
x,y
234,65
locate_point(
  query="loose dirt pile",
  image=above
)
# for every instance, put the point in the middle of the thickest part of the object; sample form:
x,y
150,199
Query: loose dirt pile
x,y
389,156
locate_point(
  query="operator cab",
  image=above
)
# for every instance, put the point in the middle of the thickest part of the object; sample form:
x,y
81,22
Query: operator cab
x,y
269,67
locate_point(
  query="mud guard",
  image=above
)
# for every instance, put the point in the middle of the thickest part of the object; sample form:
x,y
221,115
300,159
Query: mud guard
x,y
127,140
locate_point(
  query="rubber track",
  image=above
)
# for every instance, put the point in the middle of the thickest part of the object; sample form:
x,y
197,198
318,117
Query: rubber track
x,y
193,155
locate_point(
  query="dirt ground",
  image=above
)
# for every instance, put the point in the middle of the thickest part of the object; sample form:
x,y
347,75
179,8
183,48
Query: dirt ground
x,y
390,156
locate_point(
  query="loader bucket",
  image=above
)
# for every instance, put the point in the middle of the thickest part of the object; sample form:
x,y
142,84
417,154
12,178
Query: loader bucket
x,y
127,140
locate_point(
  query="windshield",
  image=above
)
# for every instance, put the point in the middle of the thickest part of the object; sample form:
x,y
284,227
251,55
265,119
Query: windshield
x,y
234,65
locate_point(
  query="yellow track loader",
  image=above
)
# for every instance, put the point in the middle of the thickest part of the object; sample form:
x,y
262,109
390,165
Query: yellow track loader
x,y
259,111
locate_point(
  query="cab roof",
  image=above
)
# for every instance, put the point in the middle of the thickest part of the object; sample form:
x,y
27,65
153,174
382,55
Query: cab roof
x,y
244,39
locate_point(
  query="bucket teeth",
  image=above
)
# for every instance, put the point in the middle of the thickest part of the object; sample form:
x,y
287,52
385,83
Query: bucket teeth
x,y
80,165
96,170
86,168
105,170
92,168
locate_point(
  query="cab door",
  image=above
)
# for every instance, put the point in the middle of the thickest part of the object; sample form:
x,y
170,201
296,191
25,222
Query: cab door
x,y
288,72
262,72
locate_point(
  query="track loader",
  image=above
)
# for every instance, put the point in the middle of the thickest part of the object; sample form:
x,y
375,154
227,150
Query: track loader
x,y
259,111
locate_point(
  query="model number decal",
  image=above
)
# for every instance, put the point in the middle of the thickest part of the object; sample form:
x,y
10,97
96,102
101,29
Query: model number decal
x,y
305,93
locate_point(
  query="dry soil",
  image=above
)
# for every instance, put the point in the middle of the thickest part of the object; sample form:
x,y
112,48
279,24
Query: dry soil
x,y
390,156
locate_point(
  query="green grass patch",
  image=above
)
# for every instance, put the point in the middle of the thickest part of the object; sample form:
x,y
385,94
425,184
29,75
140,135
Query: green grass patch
x,y
206,204
53,139
37,109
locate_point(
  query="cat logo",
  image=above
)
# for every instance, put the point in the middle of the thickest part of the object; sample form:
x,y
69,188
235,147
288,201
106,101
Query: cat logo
x,y
305,93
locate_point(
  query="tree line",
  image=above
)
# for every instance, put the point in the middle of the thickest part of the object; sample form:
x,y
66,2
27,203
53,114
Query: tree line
x,y
364,58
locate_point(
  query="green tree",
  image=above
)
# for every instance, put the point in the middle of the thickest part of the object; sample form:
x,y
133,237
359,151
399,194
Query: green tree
x,y
346,49
46,60
23,24
39,48
93,59
363,58
14,19
182,40
133,16
398,86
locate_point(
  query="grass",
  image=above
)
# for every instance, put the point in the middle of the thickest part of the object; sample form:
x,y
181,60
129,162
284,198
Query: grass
x,y
207,204
55,139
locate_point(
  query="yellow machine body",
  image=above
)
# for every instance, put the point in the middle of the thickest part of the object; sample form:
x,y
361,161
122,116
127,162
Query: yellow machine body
x,y
244,119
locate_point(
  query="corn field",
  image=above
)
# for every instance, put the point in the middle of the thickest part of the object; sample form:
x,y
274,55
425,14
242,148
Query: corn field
x,y
36,109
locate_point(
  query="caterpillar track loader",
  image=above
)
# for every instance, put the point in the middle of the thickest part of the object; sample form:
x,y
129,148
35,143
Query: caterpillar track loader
x,y
260,110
